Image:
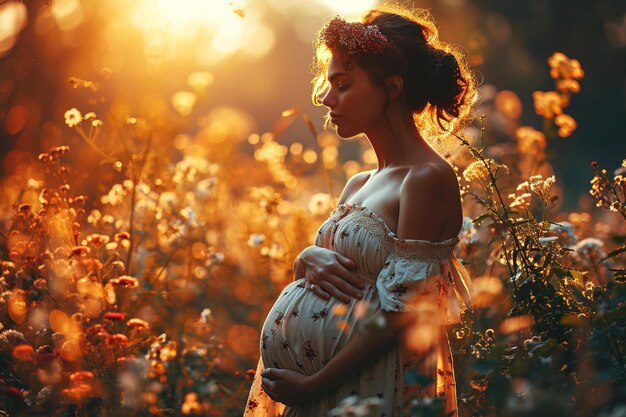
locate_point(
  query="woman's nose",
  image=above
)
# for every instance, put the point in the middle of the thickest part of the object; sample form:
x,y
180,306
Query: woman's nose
x,y
329,100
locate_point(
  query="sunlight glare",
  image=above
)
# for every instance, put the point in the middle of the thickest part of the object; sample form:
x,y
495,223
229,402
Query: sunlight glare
x,y
349,6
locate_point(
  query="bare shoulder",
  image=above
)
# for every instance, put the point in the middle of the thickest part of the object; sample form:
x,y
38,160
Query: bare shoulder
x,y
437,177
430,205
354,184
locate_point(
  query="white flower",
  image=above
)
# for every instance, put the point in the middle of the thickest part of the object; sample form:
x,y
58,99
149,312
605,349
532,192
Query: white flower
x,y
206,315
256,239
73,117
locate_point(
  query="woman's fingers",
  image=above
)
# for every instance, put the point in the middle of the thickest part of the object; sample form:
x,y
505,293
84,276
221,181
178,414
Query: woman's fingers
x,y
320,292
335,292
345,261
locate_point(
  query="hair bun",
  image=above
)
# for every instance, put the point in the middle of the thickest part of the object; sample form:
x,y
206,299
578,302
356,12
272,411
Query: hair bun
x,y
446,85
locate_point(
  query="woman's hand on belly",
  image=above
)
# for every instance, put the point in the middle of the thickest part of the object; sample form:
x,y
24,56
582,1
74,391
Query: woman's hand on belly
x,y
331,274
288,386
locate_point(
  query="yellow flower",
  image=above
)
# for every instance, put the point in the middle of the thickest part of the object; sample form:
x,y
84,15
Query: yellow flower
x,y
538,185
547,104
477,171
568,86
73,117
530,141
562,67
566,124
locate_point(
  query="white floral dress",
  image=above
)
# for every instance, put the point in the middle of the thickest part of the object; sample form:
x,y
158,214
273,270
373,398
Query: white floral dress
x,y
303,332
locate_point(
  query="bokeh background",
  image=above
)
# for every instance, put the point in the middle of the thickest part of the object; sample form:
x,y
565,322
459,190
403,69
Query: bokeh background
x,y
162,165
255,55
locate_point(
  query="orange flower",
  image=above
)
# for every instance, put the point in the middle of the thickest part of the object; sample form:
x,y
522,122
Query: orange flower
x,y
24,353
79,251
97,239
117,339
125,281
122,236
568,86
547,104
138,324
566,124
562,67
81,376
530,141
114,316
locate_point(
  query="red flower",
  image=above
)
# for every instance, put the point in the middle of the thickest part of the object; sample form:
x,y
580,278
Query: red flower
x,y
117,339
114,316
79,251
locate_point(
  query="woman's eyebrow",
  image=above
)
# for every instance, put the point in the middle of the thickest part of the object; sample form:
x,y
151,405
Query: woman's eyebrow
x,y
335,75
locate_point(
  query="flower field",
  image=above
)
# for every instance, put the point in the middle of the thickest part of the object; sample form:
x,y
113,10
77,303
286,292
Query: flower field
x,y
142,244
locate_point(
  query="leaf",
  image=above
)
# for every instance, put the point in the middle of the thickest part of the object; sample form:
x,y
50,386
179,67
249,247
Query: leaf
x,y
614,253
478,220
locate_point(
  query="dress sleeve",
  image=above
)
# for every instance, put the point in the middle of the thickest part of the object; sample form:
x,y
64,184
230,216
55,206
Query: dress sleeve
x,y
425,279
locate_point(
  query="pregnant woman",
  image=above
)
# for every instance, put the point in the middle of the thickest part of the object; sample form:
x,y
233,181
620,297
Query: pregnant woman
x,y
388,244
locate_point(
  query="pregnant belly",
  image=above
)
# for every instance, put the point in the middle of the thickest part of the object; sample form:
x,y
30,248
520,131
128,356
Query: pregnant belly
x,y
302,331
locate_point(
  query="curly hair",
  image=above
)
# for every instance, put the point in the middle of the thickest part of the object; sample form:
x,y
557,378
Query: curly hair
x,y
440,87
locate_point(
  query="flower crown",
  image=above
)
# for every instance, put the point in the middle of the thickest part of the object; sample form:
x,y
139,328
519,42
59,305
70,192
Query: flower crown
x,y
354,38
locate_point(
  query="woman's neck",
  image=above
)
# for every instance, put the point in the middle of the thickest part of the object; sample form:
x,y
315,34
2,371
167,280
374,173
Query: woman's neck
x,y
397,141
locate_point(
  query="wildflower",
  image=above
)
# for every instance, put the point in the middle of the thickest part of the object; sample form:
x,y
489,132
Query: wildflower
x,y
615,206
122,236
352,407
566,124
589,244
547,104
320,203
114,316
117,339
206,315
125,281
81,376
562,67
138,324
73,117
568,86
477,171
256,239
79,251
538,185
191,405
97,239
24,352
522,200
59,150
168,352
530,141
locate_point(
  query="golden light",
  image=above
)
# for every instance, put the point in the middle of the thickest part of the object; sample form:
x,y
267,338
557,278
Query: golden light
x,y
210,31
13,18
349,6
67,13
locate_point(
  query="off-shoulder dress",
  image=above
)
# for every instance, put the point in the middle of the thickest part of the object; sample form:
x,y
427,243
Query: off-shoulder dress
x,y
303,332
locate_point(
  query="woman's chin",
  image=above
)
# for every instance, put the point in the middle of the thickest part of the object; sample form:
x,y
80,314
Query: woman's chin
x,y
344,133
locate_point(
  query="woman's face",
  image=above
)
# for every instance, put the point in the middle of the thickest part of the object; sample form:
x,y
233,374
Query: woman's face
x,y
356,104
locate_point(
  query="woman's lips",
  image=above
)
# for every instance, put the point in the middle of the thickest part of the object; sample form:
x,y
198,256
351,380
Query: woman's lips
x,y
334,117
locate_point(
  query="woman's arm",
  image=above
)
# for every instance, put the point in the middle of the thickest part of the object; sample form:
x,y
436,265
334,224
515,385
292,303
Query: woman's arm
x,y
292,387
330,271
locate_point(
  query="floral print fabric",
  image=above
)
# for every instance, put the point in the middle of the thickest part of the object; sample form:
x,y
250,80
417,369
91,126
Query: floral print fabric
x,y
303,332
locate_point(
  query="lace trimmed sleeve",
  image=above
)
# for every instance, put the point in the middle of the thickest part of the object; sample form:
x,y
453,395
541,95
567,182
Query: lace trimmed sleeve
x,y
422,276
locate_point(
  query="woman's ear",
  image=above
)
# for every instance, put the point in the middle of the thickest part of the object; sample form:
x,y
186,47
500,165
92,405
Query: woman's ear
x,y
395,85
